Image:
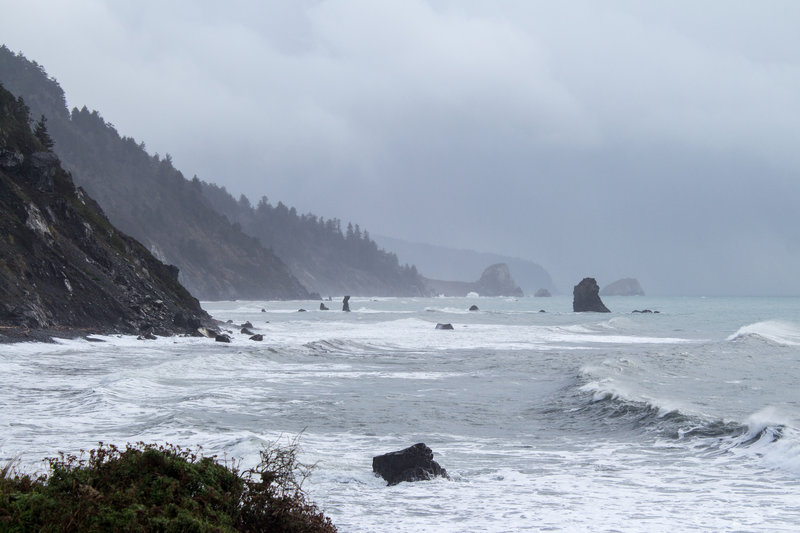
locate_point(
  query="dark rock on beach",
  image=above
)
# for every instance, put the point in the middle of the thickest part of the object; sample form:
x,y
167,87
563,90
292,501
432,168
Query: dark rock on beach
x,y
414,463
444,326
586,297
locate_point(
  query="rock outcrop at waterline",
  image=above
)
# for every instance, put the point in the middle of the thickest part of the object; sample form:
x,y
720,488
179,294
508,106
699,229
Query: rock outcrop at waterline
x,y
496,280
623,287
586,297
414,463
62,264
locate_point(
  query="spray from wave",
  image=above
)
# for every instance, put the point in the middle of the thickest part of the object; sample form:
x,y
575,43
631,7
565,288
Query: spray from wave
x,y
773,331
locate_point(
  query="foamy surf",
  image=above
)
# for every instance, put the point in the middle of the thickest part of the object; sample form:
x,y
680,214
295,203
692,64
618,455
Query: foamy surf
x,y
560,420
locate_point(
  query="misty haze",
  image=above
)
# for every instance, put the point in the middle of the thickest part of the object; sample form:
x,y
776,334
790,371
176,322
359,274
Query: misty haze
x,y
490,266
652,140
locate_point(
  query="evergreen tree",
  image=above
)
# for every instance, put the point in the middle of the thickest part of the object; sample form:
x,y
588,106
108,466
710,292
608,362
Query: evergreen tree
x,y
40,131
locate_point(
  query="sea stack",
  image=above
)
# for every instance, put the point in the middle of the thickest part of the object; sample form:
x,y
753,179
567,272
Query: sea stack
x,y
623,287
346,304
586,297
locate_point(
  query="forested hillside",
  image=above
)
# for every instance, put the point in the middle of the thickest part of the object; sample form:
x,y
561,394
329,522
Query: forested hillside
x,y
146,197
318,251
62,265
225,249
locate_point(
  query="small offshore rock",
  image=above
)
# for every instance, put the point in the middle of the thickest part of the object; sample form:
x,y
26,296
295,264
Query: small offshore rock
x,y
542,311
301,310
346,304
263,310
323,307
246,331
223,338
247,324
414,463
444,326
473,308
257,337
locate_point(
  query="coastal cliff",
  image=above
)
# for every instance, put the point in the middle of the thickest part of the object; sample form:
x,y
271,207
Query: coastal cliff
x,y
63,266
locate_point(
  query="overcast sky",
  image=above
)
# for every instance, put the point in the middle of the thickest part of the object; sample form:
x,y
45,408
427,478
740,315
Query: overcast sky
x,y
650,139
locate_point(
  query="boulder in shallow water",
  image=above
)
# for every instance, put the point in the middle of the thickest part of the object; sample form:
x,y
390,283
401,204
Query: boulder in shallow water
x,y
257,337
246,331
223,338
444,326
473,308
414,463
586,297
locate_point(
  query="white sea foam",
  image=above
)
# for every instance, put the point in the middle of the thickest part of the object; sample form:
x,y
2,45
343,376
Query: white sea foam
x,y
779,332
504,401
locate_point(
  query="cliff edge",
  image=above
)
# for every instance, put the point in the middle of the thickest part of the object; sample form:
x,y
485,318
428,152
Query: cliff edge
x,y
63,266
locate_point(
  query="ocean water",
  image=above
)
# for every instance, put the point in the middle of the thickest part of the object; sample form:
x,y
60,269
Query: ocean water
x,y
686,419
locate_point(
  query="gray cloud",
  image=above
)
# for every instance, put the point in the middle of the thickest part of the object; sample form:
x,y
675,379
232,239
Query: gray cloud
x,y
653,139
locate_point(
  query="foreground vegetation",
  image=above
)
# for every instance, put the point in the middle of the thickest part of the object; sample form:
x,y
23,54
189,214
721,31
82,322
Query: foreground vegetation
x,y
150,487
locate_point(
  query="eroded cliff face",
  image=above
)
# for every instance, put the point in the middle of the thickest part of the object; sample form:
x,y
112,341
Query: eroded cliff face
x,y
62,264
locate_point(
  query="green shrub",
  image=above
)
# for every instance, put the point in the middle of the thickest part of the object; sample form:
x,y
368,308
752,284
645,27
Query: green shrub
x,y
150,487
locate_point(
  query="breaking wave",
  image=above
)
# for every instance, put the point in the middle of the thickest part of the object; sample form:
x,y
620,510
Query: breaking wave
x,y
773,331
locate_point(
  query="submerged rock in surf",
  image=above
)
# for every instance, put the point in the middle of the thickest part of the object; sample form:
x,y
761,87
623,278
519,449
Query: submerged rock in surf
x,y
414,463
444,326
586,297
